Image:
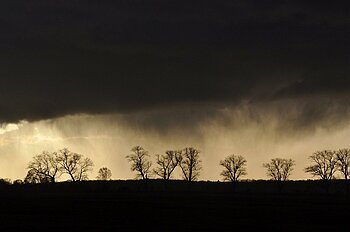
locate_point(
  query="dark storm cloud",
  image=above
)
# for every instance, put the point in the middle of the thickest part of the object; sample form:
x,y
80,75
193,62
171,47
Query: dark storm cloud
x,y
84,56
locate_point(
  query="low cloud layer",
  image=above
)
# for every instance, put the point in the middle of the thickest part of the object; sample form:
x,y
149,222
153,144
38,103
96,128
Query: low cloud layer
x,y
69,57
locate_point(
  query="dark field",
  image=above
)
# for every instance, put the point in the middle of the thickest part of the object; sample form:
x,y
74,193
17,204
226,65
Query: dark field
x,y
176,206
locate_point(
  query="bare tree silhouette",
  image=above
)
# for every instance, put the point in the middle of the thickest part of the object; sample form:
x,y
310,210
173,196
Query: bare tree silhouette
x,y
167,164
139,162
75,165
18,182
190,164
324,164
343,159
33,177
104,174
46,166
279,169
5,181
235,167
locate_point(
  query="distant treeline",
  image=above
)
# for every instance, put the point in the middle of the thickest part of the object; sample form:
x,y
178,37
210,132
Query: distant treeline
x,y
324,165
48,167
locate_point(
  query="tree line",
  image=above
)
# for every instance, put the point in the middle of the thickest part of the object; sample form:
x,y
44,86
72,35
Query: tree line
x,y
187,159
189,162
324,165
47,167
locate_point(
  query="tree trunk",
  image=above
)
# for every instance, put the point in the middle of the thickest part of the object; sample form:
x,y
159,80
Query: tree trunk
x,y
71,176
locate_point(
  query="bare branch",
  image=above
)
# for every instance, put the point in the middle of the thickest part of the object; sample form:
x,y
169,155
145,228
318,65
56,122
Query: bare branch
x,y
343,162
325,164
104,174
235,167
167,164
74,164
190,164
45,167
279,169
139,162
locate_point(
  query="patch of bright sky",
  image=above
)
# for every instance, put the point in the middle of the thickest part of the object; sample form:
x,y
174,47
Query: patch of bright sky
x,y
4,128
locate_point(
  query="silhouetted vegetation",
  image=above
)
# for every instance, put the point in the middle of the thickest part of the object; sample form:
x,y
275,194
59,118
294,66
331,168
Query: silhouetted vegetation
x,y
324,164
343,162
248,202
5,181
75,165
47,167
34,177
139,162
190,164
234,167
44,167
104,174
18,182
167,163
279,169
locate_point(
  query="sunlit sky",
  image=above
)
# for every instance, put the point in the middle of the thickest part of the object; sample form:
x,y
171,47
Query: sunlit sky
x,y
106,139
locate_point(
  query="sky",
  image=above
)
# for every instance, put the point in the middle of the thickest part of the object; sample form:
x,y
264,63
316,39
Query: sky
x,y
259,79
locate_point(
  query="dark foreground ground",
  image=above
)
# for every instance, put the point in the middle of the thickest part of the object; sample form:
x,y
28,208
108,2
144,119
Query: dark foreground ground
x,y
175,206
